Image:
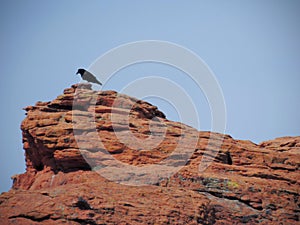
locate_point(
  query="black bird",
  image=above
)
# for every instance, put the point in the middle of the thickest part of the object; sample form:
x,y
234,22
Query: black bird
x,y
86,75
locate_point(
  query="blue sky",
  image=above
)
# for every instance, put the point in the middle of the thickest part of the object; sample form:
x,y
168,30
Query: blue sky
x,y
252,47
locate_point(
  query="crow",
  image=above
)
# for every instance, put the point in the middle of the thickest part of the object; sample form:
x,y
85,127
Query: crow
x,y
86,75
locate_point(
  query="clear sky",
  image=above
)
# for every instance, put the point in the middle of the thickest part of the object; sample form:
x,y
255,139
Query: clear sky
x,y
252,46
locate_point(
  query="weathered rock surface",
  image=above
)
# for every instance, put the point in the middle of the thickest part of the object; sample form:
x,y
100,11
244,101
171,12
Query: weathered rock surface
x,y
71,144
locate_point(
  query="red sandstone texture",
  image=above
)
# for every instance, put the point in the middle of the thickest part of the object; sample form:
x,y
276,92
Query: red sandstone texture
x,y
246,183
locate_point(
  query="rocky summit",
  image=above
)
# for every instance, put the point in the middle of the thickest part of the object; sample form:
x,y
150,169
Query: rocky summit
x,y
99,157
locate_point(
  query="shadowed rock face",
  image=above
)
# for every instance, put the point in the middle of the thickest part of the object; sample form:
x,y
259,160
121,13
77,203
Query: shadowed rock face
x,y
245,183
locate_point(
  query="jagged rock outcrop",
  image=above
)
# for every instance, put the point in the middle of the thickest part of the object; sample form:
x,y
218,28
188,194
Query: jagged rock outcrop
x,y
67,168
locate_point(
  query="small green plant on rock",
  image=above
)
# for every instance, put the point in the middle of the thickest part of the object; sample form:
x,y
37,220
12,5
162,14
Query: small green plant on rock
x,y
232,184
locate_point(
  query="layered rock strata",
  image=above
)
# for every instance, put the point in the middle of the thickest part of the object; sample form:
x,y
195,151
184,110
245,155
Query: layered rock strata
x,y
78,146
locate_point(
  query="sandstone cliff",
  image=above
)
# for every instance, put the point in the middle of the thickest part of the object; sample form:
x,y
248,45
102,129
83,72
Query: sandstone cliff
x,y
73,178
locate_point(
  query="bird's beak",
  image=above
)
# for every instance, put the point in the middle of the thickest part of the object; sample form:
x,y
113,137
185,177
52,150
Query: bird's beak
x,y
77,73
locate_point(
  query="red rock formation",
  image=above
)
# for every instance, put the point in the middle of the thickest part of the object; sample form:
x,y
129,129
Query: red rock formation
x,y
65,182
